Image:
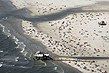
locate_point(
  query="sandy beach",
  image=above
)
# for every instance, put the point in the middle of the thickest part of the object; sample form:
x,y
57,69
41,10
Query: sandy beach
x,y
27,45
82,43
76,34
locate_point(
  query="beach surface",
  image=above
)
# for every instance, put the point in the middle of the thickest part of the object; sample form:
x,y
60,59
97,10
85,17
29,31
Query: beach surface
x,y
26,45
65,29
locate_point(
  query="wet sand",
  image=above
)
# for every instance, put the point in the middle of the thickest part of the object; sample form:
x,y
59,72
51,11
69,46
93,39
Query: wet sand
x,y
57,36
14,25
80,46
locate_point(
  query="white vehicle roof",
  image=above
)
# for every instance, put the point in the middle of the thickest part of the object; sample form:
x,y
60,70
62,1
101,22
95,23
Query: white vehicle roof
x,y
39,55
46,54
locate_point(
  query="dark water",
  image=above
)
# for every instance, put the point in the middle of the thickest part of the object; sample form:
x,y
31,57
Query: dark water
x,y
11,58
13,61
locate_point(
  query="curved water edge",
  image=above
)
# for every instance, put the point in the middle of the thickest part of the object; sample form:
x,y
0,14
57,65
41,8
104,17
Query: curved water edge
x,y
12,62
19,44
5,68
47,66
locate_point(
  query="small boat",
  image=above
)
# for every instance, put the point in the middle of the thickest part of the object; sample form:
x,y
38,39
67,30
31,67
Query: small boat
x,y
102,23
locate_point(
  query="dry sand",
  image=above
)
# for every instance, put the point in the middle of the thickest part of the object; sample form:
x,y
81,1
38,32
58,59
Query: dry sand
x,y
78,34
78,37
